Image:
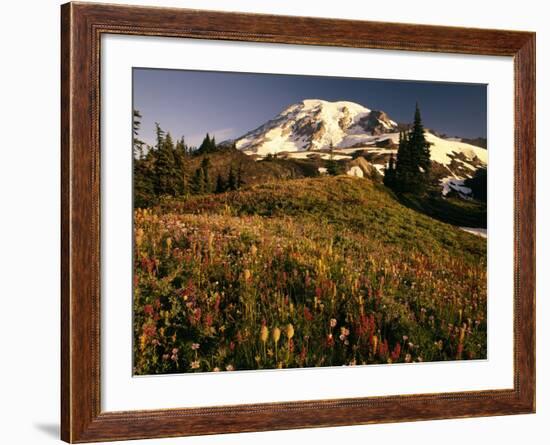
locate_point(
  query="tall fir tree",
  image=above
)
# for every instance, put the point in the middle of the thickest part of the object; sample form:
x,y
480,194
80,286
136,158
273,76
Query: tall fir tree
x,y
413,165
220,184
205,167
208,145
180,155
165,166
197,182
143,167
231,179
138,144
239,179
144,187
478,184
333,168
419,146
159,133
389,173
405,166
204,145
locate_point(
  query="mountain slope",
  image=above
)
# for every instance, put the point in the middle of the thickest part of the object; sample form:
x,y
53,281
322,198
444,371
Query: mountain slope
x,y
313,127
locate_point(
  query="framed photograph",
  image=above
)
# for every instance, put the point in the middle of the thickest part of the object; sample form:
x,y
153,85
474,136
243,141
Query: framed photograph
x,y
275,222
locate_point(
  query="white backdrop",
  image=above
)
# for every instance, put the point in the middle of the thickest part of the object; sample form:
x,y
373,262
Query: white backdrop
x,y
29,227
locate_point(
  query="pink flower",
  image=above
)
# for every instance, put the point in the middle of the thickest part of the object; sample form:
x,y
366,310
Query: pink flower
x,y
396,352
148,309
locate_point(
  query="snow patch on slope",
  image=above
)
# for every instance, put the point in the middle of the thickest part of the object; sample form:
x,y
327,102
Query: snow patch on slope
x,y
451,183
442,149
476,231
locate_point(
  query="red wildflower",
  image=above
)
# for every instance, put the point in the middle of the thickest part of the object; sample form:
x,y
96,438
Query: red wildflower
x,y
303,354
383,348
208,321
396,352
197,314
148,309
149,330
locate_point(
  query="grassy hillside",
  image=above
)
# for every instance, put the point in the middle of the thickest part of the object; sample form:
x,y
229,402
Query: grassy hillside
x,y
351,204
455,211
309,272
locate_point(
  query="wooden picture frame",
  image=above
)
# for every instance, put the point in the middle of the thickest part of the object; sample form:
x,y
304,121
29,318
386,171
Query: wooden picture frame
x,y
82,26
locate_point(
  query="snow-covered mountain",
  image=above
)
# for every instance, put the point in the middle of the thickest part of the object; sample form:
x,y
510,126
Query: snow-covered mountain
x,y
311,127
314,124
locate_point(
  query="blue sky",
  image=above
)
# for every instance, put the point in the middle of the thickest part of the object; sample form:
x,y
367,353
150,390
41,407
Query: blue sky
x,y
192,103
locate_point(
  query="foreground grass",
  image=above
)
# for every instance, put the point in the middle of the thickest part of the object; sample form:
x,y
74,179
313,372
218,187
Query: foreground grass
x,y
313,272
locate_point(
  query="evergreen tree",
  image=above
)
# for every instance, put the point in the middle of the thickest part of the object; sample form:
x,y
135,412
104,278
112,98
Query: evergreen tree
x,y
180,146
197,182
220,184
208,145
478,184
205,167
160,135
205,145
143,167
239,180
231,179
138,144
333,168
419,146
412,170
389,173
180,155
404,169
144,173
168,142
165,166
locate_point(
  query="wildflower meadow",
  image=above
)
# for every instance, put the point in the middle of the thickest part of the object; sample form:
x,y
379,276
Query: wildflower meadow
x,y
311,272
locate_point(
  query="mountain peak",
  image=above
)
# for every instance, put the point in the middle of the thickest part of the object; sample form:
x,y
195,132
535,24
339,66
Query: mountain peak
x,y
339,104
315,124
